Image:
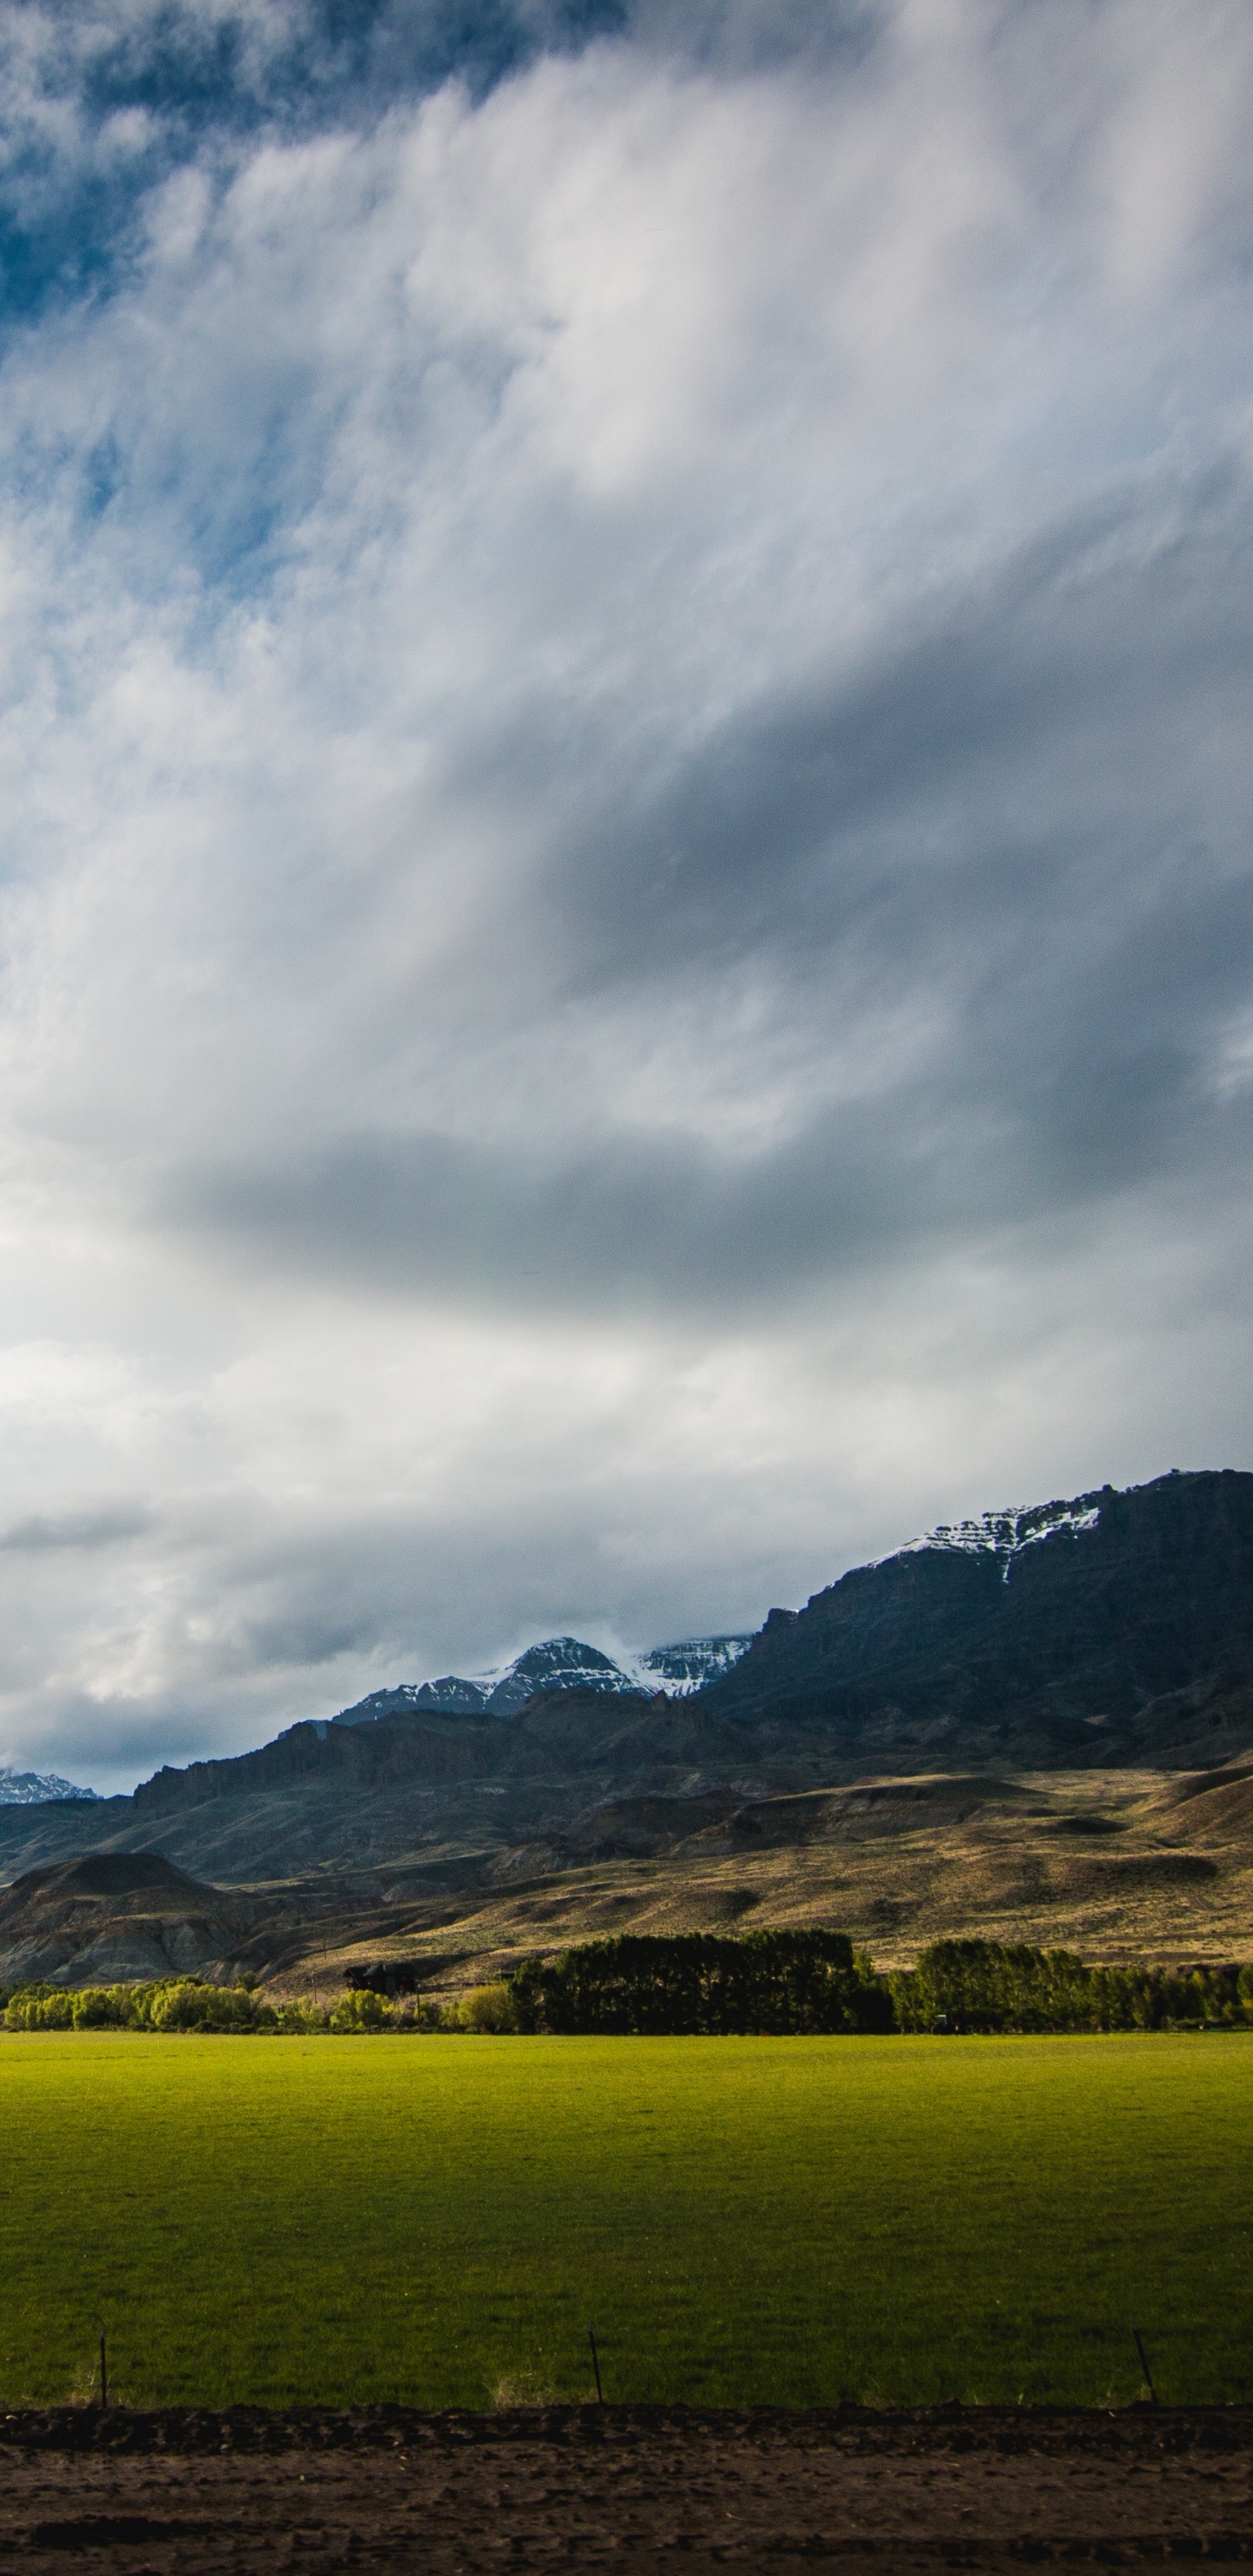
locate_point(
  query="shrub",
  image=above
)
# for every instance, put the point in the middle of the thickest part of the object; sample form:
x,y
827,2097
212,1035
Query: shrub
x,y
103,2007
488,2009
185,2004
361,2010
170,2003
40,2008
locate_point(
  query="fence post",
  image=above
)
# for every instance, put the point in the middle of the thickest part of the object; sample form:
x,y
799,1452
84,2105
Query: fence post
x,y
1144,2364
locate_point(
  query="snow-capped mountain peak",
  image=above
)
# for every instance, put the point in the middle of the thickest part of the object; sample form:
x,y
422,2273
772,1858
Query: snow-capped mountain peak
x,y
36,1788
556,1663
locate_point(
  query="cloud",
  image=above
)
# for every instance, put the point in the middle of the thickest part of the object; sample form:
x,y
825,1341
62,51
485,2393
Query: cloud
x,y
626,907
101,1528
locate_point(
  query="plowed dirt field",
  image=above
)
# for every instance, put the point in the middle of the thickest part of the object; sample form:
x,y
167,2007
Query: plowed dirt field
x,y
190,2493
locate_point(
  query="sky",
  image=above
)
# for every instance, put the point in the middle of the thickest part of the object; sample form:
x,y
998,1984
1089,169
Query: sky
x,y
625,903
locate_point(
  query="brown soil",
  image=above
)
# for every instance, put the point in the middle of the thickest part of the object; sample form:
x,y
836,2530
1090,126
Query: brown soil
x,y
629,2489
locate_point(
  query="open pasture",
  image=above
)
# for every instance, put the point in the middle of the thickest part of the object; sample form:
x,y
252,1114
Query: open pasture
x,y
778,2221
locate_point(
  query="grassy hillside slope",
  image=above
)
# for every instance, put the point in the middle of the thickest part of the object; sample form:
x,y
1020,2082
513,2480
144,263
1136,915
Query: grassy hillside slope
x,y
1113,1864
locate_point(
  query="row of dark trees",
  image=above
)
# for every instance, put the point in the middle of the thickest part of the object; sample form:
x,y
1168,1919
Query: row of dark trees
x,y
792,1982
697,1982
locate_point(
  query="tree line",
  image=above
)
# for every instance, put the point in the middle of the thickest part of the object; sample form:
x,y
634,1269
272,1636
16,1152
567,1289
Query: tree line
x,y
166,2004
1008,1986
784,1982
198,2004
778,1984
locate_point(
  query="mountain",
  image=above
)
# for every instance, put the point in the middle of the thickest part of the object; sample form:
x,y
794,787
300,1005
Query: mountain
x,y
36,1788
559,1663
1112,1630
1027,1630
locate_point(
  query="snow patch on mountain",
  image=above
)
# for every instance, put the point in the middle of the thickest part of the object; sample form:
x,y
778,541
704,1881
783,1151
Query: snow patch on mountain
x,y
1006,1534
557,1663
687,1666
36,1788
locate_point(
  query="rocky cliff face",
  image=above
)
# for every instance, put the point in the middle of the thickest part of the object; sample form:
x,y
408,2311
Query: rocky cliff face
x,y
400,1746
1035,1625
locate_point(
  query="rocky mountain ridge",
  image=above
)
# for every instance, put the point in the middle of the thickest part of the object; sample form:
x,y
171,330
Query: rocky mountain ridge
x,y
1112,1630
36,1788
556,1663
1038,1723
1026,1628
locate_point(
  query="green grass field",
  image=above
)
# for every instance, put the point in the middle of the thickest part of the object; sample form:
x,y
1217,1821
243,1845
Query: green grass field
x,y
791,2221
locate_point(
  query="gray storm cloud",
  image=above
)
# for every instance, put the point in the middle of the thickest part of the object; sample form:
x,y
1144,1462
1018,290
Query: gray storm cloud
x,y
627,896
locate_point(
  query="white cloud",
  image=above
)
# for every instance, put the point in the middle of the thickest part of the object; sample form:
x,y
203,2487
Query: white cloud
x,y
623,744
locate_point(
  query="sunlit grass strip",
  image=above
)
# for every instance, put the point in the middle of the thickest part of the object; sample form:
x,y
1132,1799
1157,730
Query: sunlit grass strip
x,y
787,2221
